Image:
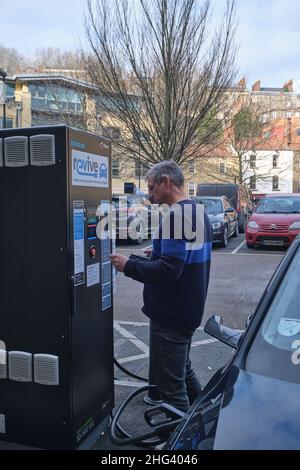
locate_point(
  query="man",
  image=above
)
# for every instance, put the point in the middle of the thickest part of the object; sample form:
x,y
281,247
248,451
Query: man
x,y
175,286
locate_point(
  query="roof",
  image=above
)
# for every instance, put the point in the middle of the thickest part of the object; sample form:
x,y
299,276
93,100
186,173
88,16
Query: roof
x,y
283,195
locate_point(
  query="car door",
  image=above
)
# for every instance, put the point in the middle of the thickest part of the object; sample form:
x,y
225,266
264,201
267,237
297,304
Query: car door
x,y
230,216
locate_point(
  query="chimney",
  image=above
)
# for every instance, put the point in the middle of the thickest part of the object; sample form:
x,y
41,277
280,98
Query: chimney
x,y
241,84
256,86
288,86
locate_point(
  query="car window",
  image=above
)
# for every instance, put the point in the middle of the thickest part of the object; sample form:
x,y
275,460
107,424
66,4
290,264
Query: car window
x,y
227,204
275,351
212,206
280,205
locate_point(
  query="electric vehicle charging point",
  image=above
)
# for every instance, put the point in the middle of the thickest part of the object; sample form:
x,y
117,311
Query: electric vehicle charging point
x,y
56,308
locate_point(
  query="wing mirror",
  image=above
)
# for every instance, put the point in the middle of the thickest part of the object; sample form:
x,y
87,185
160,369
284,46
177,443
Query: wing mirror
x,y
215,328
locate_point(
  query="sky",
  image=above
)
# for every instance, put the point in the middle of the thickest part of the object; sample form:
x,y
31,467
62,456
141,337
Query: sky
x,y
268,33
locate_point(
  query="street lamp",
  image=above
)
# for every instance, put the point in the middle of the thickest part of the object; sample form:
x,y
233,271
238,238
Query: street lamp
x,y
3,76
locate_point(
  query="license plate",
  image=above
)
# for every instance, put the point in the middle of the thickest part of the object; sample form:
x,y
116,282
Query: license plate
x,y
273,242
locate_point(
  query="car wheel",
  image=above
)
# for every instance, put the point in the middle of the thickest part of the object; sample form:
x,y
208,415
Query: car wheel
x,y
250,245
139,234
236,230
225,237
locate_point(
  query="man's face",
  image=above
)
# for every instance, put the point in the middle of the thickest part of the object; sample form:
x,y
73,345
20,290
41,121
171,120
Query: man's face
x,y
156,191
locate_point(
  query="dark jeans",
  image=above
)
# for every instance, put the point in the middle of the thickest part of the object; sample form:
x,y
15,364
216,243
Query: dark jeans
x,y
170,366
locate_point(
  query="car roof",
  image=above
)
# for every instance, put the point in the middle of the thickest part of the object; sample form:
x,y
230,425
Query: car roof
x,y
282,195
209,197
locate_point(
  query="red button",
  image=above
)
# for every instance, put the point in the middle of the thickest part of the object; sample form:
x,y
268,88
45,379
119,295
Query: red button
x,y
93,252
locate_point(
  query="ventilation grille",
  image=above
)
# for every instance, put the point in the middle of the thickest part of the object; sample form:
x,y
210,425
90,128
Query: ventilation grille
x,y
42,150
3,364
16,151
1,153
46,371
20,366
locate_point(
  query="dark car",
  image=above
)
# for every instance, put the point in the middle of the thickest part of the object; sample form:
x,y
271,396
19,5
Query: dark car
x,y
239,195
223,218
253,402
135,217
275,221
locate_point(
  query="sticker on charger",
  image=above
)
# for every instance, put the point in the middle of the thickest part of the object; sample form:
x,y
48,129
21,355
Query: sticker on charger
x,y
93,275
78,219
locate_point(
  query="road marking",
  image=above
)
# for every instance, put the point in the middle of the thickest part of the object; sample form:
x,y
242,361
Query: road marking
x,y
133,339
249,254
138,323
130,383
146,248
138,357
203,342
238,247
132,323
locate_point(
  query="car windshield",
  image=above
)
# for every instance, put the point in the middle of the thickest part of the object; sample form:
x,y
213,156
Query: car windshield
x,y
275,351
120,202
279,205
212,206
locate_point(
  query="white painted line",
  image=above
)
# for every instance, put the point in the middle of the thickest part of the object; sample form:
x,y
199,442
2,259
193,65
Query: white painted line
x,y
203,342
141,323
248,254
132,323
129,383
238,247
133,339
138,357
146,248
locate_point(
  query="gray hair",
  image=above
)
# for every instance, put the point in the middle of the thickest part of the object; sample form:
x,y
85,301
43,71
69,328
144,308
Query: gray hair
x,y
166,168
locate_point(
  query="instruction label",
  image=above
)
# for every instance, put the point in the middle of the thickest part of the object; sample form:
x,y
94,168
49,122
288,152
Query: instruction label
x,y
78,218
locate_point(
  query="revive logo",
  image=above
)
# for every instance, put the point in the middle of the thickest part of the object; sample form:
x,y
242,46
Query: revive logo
x,y
89,170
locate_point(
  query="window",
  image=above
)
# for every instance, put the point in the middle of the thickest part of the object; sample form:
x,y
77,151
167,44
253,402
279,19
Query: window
x,y
298,131
252,182
9,123
275,183
253,160
264,118
288,114
112,132
275,160
274,114
297,114
191,188
115,168
222,168
192,167
140,169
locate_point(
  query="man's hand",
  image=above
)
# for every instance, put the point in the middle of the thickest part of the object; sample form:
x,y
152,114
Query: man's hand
x,y
148,252
119,261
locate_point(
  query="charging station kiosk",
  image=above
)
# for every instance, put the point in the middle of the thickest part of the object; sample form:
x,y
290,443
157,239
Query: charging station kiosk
x,y
56,313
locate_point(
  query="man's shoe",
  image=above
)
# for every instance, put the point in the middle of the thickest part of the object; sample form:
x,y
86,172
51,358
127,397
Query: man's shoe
x,y
149,401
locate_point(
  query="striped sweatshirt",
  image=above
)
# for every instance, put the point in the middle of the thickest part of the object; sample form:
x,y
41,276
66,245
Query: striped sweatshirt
x,y
177,274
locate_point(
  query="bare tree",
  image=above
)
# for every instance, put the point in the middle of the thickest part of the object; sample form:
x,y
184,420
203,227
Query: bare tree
x,y
162,74
11,60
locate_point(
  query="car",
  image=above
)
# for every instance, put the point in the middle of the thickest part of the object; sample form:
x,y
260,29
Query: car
x,y
103,171
223,218
275,221
253,401
135,217
239,195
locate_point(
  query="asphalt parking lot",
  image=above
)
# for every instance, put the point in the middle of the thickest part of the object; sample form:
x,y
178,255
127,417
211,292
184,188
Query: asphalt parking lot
x,y
238,278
